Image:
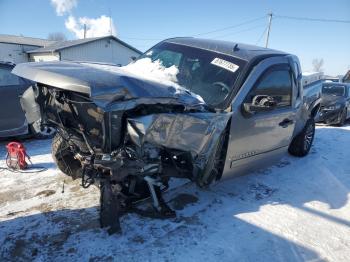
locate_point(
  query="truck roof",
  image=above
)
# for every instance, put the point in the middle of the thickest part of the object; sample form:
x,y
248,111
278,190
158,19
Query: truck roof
x,y
238,50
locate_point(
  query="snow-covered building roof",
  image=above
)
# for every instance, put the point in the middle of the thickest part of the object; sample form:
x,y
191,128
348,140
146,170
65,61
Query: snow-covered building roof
x,y
70,43
23,40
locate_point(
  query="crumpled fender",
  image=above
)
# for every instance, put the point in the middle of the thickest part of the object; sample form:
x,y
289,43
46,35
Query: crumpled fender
x,y
197,133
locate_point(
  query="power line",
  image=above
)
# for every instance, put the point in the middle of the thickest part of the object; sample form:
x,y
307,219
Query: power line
x,y
313,19
248,22
241,31
230,34
143,39
261,36
204,33
229,27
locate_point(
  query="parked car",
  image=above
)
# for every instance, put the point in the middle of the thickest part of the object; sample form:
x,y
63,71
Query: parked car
x,y
234,107
335,103
12,119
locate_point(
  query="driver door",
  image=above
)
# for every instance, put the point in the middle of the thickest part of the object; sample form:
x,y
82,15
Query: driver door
x,y
258,137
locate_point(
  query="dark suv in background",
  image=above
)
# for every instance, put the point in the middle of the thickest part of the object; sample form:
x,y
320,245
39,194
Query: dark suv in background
x,y
12,119
335,103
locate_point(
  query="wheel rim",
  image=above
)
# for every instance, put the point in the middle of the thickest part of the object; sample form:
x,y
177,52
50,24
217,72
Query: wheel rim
x,y
309,135
47,131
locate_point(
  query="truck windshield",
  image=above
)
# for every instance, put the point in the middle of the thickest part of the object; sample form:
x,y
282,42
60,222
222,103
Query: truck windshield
x,y
335,90
208,74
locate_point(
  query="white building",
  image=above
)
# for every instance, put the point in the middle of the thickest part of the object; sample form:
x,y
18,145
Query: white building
x,y
14,48
108,49
310,77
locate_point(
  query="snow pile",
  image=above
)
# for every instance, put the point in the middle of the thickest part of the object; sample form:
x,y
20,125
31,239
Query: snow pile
x,y
153,70
297,210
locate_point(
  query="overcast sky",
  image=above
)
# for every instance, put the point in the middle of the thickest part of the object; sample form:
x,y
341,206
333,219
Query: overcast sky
x,y
144,23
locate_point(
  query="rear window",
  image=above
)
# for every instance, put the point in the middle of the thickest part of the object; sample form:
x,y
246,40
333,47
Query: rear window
x,y
335,90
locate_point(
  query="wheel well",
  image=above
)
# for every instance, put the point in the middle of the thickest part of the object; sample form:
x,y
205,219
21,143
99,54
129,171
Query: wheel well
x,y
315,110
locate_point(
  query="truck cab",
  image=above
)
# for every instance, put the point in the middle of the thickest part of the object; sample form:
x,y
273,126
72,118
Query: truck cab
x,y
260,135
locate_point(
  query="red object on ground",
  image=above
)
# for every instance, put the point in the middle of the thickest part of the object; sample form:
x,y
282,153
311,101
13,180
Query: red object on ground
x,y
16,156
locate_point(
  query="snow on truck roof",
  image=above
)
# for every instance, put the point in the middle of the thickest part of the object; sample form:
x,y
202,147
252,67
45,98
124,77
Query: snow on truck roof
x,y
239,50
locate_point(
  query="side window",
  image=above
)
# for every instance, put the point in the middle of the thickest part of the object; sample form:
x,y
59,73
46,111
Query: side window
x,y
7,78
276,84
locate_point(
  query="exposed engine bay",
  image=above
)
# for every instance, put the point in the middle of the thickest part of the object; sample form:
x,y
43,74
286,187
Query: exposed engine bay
x,y
130,129
130,149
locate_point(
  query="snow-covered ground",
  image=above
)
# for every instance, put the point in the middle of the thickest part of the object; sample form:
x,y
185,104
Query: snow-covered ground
x,y
298,210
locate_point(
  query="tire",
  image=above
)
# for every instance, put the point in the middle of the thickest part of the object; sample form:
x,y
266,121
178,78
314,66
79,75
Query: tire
x,y
301,144
64,158
215,170
342,117
110,208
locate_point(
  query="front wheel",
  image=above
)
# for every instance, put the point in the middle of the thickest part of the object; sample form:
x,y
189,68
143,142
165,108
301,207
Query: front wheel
x,y
110,207
64,157
301,144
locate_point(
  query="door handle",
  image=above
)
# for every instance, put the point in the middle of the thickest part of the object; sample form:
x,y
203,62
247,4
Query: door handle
x,y
286,122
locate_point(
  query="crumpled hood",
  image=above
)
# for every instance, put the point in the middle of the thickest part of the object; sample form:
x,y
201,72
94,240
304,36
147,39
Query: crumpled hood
x,y
103,83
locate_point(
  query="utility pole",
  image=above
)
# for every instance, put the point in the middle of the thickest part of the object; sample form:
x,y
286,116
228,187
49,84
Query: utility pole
x,y
268,30
84,31
110,21
110,26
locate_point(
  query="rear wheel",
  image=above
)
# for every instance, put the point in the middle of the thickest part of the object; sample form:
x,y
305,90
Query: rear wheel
x,y
64,157
301,144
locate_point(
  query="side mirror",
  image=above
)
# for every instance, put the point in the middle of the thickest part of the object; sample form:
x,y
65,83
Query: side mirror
x,y
260,103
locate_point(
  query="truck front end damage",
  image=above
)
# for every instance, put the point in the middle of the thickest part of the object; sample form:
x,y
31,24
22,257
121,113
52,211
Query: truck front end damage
x,y
124,140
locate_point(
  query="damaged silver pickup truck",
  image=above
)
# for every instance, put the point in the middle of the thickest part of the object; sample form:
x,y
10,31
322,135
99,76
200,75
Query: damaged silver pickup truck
x,y
188,108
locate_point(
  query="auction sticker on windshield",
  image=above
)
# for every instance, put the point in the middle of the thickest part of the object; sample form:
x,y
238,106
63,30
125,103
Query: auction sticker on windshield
x,y
225,64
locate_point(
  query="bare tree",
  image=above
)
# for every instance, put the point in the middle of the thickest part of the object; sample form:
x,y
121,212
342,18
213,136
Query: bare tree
x,y
57,36
317,64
